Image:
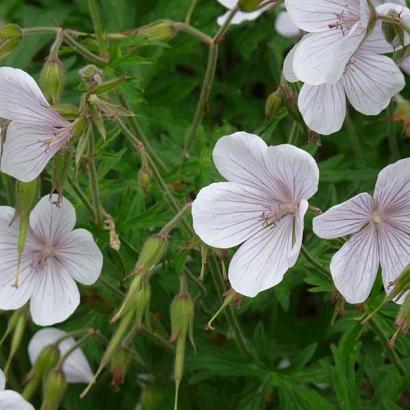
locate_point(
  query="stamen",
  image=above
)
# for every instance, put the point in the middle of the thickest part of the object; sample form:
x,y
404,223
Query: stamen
x,y
275,215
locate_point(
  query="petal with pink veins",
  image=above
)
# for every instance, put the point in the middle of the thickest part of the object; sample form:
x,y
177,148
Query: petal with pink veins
x,y
10,400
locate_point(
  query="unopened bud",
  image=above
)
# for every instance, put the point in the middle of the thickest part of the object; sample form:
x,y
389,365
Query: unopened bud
x,y
53,390
10,37
273,104
119,364
144,178
249,5
151,254
61,166
52,79
162,30
91,74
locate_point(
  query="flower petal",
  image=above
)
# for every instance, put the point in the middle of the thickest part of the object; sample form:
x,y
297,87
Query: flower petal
x,y
22,100
394,246
28,149
51,222
295,174
10,400
298,233
261,261
285,26
240,157
11,297
56,295
2,380
318,15
344,219
354,266
226,214
80,256
288,71
370,81
76,368
323,107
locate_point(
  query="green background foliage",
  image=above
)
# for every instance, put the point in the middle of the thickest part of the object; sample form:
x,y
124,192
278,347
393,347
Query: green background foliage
x,y
305,350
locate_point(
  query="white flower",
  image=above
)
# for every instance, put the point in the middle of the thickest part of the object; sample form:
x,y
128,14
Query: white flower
x,y
380,229
283,25
55,256
36,131
76,367
405,65
9,399
262,204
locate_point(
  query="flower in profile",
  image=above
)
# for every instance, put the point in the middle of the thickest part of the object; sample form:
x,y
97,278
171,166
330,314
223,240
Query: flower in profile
x,y
54,258
76,367
11,400
262,206
36,132
283,25
380,229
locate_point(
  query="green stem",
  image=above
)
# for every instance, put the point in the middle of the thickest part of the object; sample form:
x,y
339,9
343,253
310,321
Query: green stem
x,y
167,228
98,29
72,349
391,135
192,31
93,178
76,188
203,99
354,138
83,51
190,11
222,30
136,128
293,133
229,313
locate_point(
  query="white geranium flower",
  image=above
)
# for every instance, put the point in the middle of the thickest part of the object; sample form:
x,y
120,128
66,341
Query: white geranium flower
x,y
76,367
380,229
36,131
283,25
54,258
262,206
9,399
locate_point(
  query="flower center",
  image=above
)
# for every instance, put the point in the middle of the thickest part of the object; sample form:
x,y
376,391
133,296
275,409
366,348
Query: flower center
x,y
376,218
39,258
344,20
274,215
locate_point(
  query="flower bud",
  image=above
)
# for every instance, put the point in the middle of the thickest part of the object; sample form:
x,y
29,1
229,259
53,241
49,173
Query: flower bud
x,y
119,363
61,166
52,78
402,113
151,254
144,178
273,104
249,5
10,37
53,390
161,30
17,338
91,74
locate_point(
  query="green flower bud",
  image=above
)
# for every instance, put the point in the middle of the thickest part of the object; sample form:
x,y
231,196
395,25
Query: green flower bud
x,y
249,5
10,37
273,104
119,364
144,178
61,166
161,30
91,74
52,79
151,254
53,390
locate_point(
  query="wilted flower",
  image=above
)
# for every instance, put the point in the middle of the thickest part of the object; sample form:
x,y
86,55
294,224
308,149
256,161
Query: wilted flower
x,y
36,131
55,256
262,204
10,400
380,228
76,367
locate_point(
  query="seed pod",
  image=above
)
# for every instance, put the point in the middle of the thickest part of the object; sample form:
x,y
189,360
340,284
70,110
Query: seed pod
x,y
53,390
151,254
161,30
52,79
10,37
273,104
119,364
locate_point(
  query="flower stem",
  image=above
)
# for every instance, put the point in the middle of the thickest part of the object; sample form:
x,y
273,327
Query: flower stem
x,y
229,313
391,135
313,261
192,31
293,133
190,11
72,349
98,29
76,46
354,139
93,177
76,188
203,99
167,228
